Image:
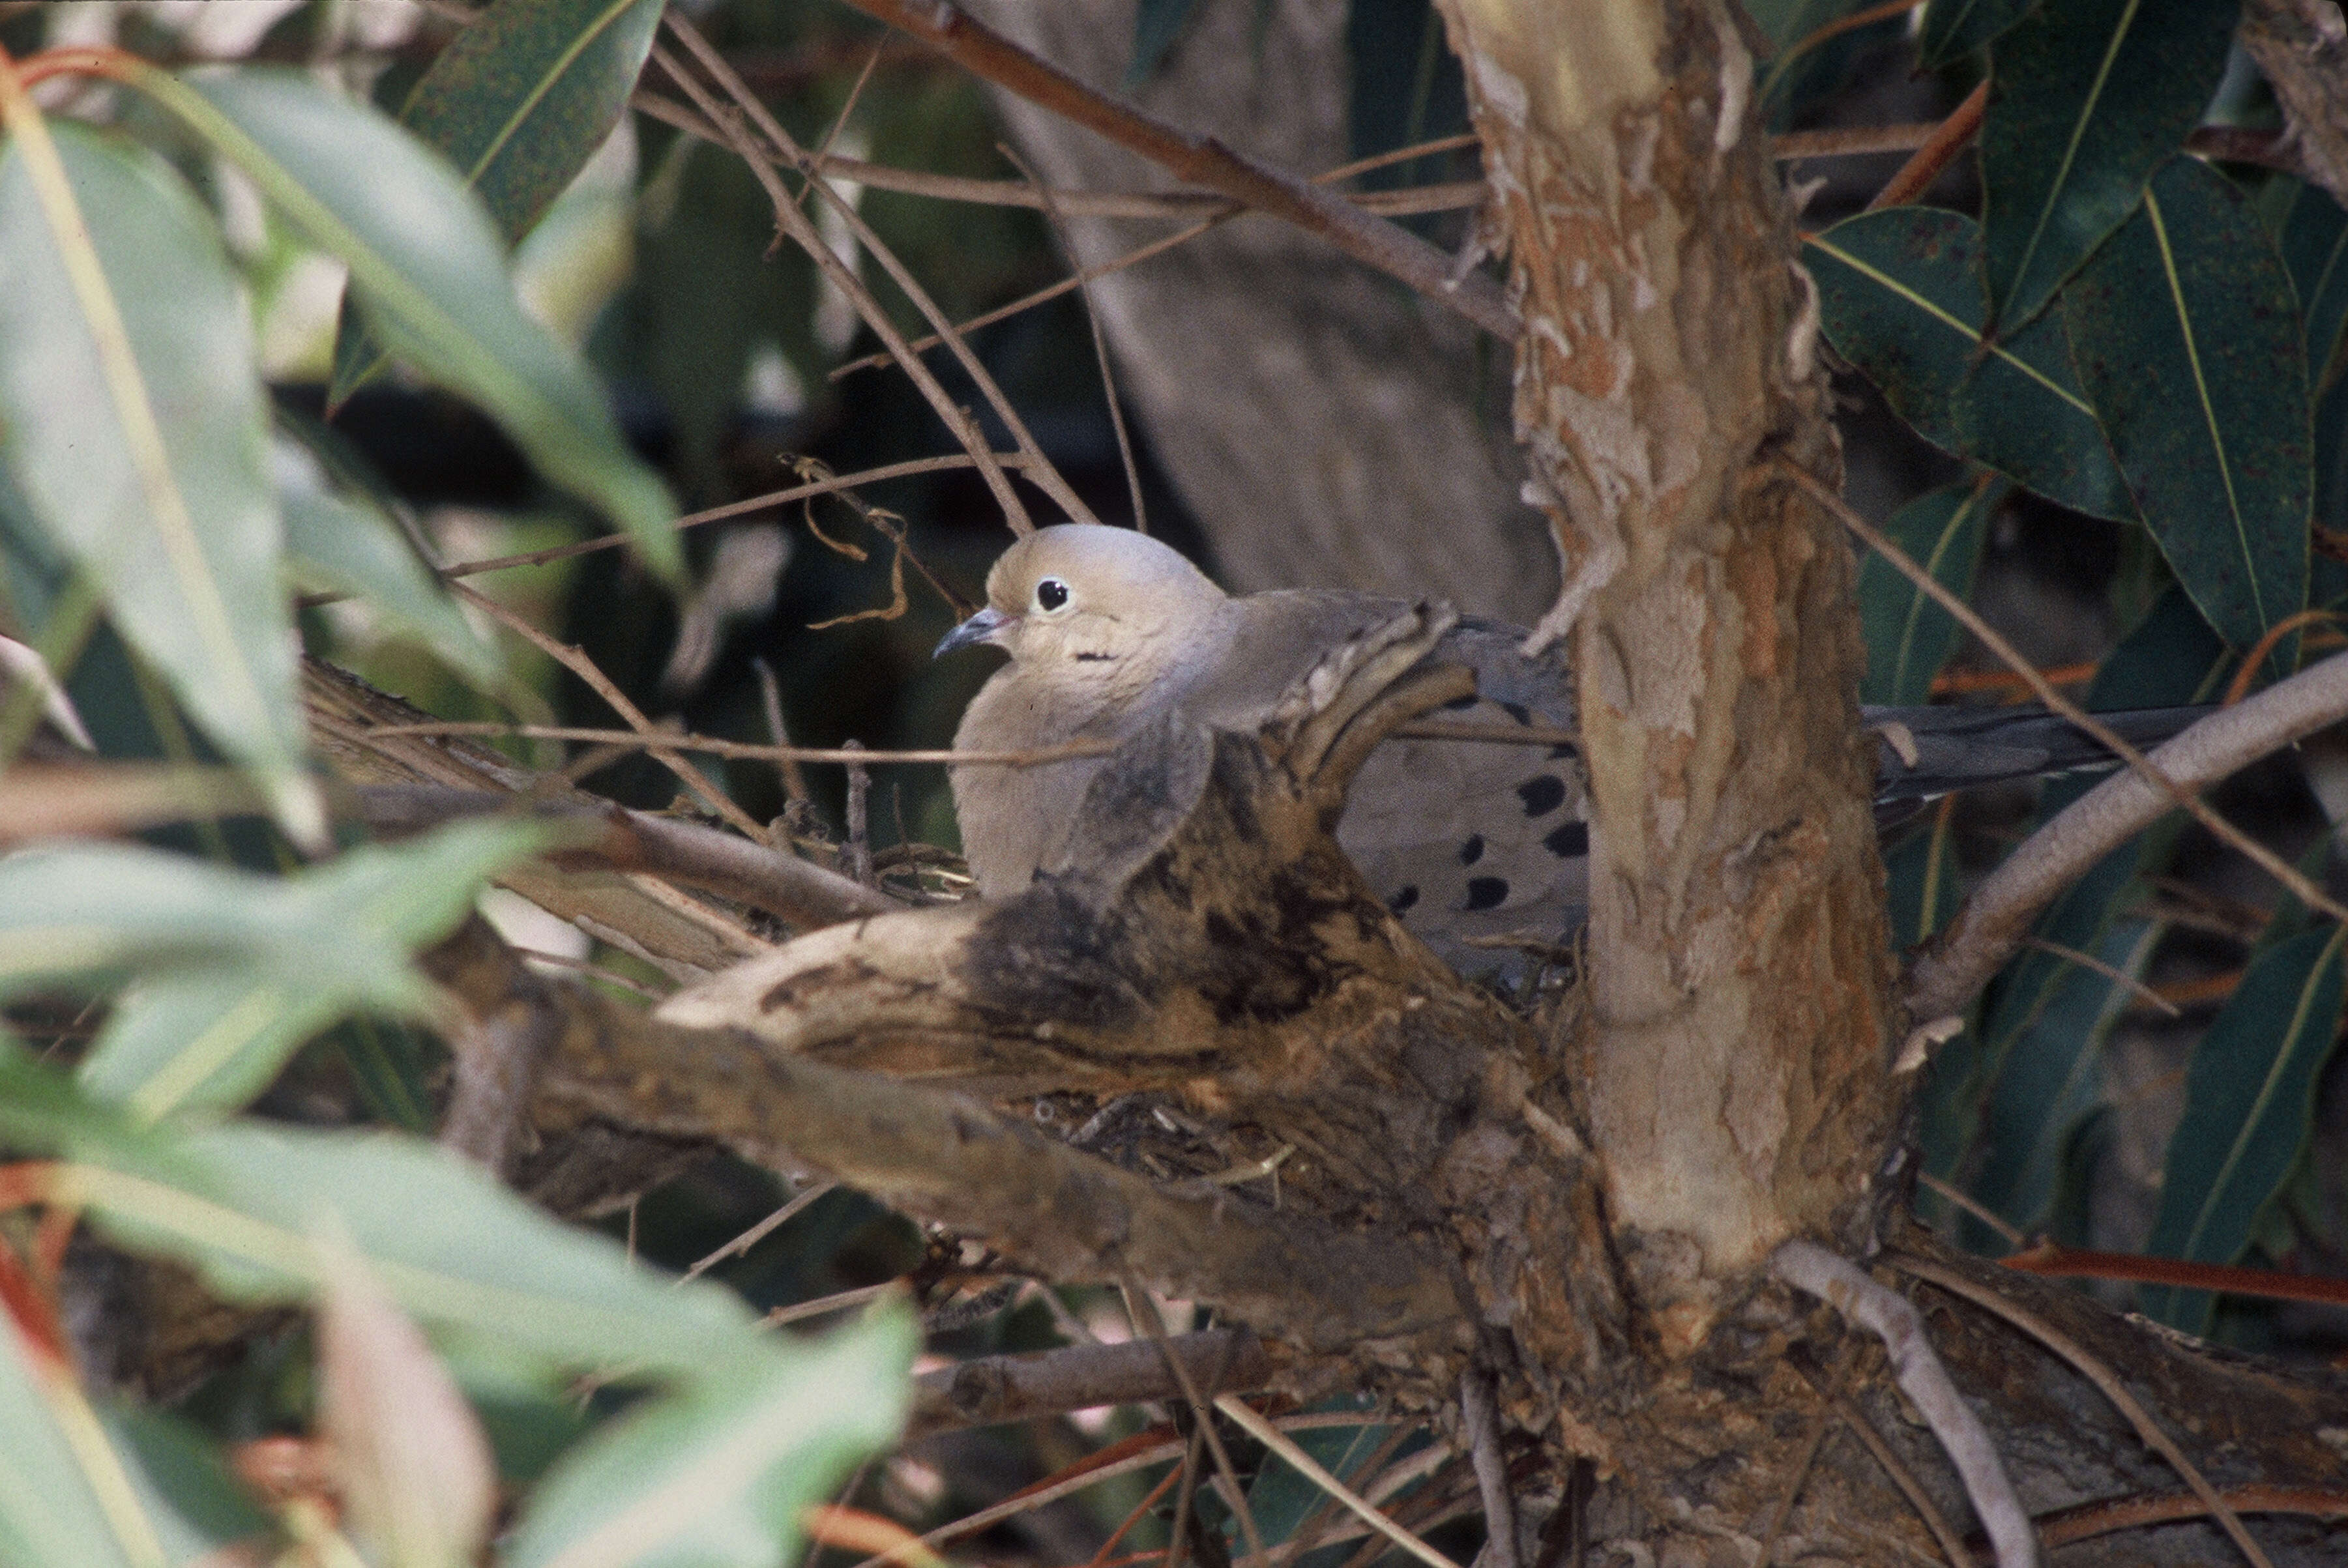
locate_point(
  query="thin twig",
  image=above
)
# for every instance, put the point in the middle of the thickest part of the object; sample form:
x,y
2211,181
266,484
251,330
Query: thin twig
x,y
2090,1520
2101,1376
1092,319
1264,1432
1144,1309
1049,292
2116,976
1040,470
2083,1263
1952,1544
576,660
2266,859
1499,734
842,276
745,749
825,487
770,700
1954,135
1975,1207
839,1301
1386,246
1821,1424
761,1231
1917,1367
1179,205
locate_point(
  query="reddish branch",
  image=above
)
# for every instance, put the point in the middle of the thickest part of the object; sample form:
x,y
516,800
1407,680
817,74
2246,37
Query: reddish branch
x,y
1202,160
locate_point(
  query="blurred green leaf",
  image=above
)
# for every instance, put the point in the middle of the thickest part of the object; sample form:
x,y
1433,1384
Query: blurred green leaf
x,y
215,1040
2248,1098
1157,27
1909,637
66,1501
2314,245
1955,28
518,102
2085,100
2186,337
133,425
719,1475
344,544
428,272
1900,298
2052,1080
242,1203
199,1507
232,970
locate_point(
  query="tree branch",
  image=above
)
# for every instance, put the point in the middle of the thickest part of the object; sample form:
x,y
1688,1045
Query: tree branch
x,y
1997,916
1202,161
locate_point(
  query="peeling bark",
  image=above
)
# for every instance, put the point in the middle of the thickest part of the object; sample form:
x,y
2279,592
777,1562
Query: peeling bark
x,y
1734,1060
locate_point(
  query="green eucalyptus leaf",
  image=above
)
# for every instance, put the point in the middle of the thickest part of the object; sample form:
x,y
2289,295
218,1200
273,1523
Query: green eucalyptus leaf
x,y
2052,1080
2314,245
518,102
428,272
2086,99
343,543
718,1476
1909,637
1900,298
2249,1099
134,429
193,1035
2187,340
1955,28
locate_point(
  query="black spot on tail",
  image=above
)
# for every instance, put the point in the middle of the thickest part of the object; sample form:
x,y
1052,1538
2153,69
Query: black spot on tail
x,y
1472,850
1456,704
1402,900
1569,842
1542,794
1517,712
1486,893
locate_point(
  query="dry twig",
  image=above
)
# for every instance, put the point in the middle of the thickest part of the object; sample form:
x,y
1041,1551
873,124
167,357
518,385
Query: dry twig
x,y
1202,160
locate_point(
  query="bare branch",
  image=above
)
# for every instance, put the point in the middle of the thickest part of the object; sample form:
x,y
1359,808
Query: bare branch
x,y
1990,925
1885,1313
1202,160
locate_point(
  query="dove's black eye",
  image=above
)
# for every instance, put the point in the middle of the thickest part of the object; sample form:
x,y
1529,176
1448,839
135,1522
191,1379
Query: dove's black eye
x,y
1051,593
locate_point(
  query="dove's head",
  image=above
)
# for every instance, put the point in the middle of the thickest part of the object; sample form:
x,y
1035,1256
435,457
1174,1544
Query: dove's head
x,y
1093,604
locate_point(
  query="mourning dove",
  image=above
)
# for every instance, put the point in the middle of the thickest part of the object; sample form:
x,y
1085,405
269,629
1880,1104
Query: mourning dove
x,y
1108,628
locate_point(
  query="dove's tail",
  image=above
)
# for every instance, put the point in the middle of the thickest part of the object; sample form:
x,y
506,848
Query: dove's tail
x,y
1932,750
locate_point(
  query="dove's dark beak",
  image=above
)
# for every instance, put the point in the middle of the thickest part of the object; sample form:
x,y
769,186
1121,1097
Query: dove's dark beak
x,y
983,627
